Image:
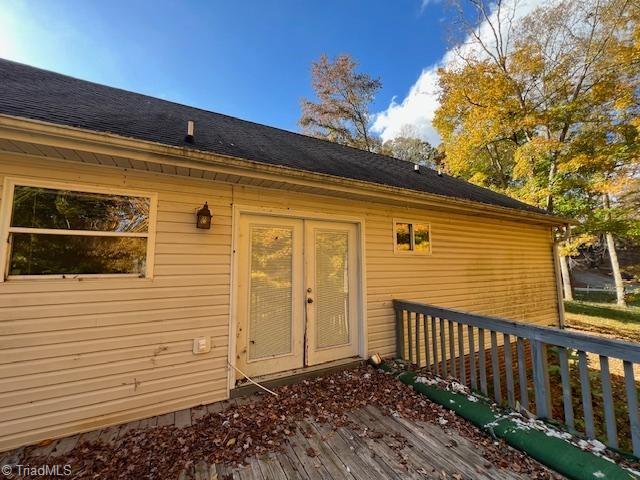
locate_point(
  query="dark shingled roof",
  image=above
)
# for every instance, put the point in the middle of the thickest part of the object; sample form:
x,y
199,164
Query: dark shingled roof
x,y
50,97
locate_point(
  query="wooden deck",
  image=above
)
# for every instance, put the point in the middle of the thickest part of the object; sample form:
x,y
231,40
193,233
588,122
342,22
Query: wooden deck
x,y
406,451
374,446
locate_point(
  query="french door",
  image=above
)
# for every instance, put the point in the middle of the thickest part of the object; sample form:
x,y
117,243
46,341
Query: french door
x,y
297,293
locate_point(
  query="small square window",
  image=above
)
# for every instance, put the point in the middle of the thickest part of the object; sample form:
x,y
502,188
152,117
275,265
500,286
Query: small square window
x,y
412,237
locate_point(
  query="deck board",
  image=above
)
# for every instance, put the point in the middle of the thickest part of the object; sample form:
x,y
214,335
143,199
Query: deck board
x,y
44,451
65,445
336,460
91,436
271,467
383,451
313,466
291,470
369,446
183,418
167,419
109,434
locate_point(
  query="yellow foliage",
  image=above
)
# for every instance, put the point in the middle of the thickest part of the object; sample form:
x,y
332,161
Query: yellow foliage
x,y
548,113
570,247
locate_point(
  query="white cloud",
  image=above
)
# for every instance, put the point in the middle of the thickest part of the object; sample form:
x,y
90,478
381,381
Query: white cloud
x,y
425,3
418,107
417,110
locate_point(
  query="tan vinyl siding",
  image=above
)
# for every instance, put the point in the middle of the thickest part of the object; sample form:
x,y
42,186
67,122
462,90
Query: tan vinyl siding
x,y
75,355
486,266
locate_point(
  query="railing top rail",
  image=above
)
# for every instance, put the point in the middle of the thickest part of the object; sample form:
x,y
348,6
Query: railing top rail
x,y
588,343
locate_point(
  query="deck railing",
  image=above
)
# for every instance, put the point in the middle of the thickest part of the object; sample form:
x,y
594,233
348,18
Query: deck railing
x,y
428,336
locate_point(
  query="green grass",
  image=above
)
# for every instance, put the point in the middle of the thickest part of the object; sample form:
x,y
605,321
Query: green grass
x,y
598,313
603,310
633,299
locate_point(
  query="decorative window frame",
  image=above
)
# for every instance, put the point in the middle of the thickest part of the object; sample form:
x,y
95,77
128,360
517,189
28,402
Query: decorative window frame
x,y
413,251
6,206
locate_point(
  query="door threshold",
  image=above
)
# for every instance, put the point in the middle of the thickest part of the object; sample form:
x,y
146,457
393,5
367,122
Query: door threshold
x,y
244,387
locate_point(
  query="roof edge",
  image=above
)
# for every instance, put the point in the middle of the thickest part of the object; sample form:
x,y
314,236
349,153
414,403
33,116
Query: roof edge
x,y
132,144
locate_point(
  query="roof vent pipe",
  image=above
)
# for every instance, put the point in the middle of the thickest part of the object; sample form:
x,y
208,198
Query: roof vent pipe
x,y
416,168
190,128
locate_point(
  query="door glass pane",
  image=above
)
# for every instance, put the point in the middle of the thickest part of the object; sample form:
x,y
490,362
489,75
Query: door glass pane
x,y
34,254
35,207
270,310
332,289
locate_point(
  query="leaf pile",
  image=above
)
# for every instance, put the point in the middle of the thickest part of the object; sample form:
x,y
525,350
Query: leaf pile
x,y
264,425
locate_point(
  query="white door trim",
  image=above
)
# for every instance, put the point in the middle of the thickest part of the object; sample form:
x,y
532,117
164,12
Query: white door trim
x,y
239,209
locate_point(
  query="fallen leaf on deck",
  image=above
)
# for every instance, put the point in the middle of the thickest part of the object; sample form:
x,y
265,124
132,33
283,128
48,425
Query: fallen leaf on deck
x,y
265,424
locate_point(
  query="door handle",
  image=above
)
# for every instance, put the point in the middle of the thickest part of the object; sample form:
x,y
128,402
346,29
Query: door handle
x,y
309,300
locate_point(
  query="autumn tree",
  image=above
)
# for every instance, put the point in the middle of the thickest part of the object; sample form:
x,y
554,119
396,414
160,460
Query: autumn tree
x,y
546,108
341,113
409,146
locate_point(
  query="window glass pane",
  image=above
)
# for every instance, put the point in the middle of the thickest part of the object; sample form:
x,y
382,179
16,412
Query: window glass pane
x,y
34,254
421,237
403,236
47,208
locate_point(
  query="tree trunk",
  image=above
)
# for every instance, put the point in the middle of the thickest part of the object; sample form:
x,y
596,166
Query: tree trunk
x,y
613,255
566,278
552,176
615,267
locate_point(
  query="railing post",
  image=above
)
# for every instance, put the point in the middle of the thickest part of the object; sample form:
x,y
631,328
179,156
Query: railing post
x,y
482,362
472,358
541,379
463,373
508,370
418,362
607,400
522,374
495,368
632,404
434,345
443,348
409,339
585,388
399,333
425,320
567,397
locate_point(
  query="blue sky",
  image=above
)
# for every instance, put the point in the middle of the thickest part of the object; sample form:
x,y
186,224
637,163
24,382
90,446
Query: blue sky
x,y
249,59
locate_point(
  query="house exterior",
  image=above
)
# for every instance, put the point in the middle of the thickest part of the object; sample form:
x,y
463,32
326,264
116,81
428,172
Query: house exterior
x,y
115,306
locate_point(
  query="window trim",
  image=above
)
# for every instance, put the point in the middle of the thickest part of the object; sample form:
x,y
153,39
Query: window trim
x,y
413,251
6,206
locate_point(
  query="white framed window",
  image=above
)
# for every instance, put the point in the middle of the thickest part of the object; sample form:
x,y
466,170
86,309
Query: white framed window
x,y
411,237
59,230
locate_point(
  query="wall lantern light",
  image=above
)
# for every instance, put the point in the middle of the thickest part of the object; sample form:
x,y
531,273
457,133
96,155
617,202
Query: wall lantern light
x,y
204,217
